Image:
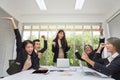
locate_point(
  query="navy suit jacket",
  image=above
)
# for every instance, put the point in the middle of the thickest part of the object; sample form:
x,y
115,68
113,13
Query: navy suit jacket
x,y
113,69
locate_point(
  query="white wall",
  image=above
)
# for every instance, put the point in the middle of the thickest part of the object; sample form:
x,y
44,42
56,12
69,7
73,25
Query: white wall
x,y
114,26
9,8
7,40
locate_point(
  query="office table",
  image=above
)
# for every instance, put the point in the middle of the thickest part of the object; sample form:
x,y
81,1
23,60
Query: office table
x,y
72,73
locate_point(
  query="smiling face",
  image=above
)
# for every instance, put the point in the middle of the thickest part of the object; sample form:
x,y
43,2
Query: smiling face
x,y
113,45
110,48
37,45
60,35
88,49
29,48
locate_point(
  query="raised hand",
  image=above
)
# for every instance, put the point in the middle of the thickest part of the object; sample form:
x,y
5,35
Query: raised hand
x,y
69,44
12,21
7,18
43,37
102,45
76,47
39,54
54,44
101,31
85,56
87,59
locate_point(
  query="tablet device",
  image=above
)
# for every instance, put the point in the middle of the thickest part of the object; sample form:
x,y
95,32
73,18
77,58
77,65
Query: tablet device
x,y
40,71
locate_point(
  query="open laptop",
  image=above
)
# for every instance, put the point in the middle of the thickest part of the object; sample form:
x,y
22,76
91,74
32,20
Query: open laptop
x,y
91,72
63,63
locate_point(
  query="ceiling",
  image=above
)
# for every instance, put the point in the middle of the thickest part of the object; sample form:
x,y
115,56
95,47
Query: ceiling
x,y
26,8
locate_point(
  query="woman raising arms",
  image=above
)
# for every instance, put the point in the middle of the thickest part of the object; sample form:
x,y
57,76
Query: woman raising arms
x,y
26,57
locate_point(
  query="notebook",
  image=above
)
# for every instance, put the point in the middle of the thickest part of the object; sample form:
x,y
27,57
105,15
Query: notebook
x,y
63,62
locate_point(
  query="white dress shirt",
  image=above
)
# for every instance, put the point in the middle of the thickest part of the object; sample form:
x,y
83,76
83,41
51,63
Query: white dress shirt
x,y
112,57
35,51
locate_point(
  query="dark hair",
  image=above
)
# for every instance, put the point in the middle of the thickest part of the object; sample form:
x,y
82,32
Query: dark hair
x,y
115,42
63,40
36,40
26,42
89,46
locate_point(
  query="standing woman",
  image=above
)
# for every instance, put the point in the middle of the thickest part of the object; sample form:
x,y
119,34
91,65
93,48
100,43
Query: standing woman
x,y
26,57
60,46
111,65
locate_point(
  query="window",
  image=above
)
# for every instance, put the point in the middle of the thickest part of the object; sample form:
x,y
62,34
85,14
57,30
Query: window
x,y
76,35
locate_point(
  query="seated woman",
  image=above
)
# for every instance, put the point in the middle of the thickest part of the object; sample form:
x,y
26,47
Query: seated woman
x,y
89,49
26,57
109,66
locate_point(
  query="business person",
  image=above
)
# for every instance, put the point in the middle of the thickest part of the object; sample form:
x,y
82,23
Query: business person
x,y
37,49
60,46
26,57
109,66
89,49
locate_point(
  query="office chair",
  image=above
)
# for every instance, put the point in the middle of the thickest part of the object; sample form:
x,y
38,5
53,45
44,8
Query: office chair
x,y
11,61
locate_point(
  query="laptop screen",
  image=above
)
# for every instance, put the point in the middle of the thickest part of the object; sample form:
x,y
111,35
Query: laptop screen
x,y
63,62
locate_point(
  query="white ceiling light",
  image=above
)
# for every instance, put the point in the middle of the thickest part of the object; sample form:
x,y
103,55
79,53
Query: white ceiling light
x,y
79,4
41,4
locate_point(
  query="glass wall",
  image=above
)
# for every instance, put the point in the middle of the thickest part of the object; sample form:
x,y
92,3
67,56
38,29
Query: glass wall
x,y
76,34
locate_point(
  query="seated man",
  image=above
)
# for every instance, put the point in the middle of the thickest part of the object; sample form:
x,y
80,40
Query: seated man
x,y
89,49
36,44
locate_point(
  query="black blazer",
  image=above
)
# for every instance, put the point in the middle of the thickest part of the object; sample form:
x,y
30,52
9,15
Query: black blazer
x,y
22,55
113,69
44,48
91,55
55,50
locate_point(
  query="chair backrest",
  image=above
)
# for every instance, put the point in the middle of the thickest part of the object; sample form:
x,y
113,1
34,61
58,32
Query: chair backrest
x,y
11,61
